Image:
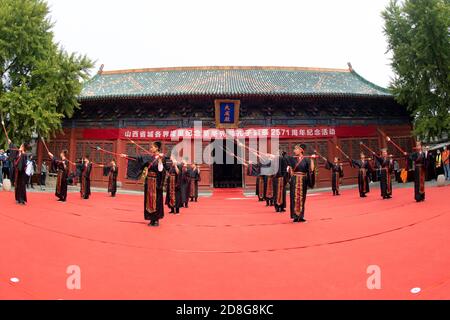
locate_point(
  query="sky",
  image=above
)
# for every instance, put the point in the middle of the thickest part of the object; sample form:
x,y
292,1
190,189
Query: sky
x,y
130,34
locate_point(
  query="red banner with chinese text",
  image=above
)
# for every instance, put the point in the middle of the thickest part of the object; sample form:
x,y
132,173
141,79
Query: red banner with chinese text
x,y
176,134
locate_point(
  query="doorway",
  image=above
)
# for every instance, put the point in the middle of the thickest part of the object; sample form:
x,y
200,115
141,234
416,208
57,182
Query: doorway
x,y
228,174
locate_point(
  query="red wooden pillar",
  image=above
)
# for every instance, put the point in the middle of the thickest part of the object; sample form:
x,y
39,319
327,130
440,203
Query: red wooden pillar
x,y
121,162
72,145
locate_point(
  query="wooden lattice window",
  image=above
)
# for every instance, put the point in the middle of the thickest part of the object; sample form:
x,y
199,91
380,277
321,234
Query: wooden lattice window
x,y
133,150
322,148
372,143
346,146
405,143
89,148
56,146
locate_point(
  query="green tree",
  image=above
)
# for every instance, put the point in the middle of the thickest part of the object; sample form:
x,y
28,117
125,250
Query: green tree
x,y
418,38
40,81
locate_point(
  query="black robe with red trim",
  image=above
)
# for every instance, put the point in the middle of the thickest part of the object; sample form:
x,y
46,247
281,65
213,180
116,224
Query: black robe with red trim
x,y
185,185
301,178
20,177
112,179
364,173
173,187
419,175
153,188
195,178
62,174
85,189
336,173
280,181
386,166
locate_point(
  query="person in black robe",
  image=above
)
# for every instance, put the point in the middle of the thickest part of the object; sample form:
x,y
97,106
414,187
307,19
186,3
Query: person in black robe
x,y
385,167
267,181
185,184
302,174
20,176
268,190
254,170
260,187
12,154
78,170
85,189
418,157
337,172
112,173
194,172
153,168
173,188
279,183
61,166
364,173
430,164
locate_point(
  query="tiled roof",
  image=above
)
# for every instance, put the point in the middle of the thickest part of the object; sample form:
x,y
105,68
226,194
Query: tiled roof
x,y
228,81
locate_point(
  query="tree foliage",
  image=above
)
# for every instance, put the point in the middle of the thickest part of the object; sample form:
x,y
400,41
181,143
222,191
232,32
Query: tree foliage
x,y
418,36
40,81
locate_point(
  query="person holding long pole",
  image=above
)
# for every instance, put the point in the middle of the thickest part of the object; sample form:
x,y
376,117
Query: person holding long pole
x,y
418,157
85,188
386,166
279,183
173,190
20,176
301,169
62,167
154,181
364,173
152,166
337,172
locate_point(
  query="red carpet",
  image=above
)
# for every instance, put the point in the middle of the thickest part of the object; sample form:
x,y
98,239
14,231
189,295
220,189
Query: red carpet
x,y
227,246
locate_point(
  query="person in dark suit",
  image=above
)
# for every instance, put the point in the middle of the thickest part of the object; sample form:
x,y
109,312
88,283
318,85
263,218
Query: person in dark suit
x,y
430,165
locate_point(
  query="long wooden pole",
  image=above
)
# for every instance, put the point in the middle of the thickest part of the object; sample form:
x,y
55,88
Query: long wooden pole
x,y
395,145
342,151
362,144
4,128
140,147
113,153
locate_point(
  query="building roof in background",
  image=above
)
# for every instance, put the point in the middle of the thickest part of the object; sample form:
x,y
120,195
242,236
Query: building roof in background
x,y
229,81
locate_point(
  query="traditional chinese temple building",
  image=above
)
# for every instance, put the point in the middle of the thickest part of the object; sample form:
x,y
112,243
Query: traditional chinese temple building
x,y
319,107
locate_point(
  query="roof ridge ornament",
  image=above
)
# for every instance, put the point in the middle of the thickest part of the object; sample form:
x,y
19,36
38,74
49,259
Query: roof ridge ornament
x,y
350,68
100,70
222,68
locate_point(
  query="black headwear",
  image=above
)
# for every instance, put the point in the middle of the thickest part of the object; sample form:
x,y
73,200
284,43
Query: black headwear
x,y
157,144
301,146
